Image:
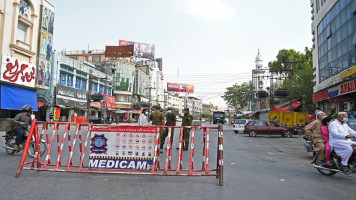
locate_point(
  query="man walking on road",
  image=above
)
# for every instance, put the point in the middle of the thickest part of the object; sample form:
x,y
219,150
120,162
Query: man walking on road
x,y
313,132
157,118
187,121
170,121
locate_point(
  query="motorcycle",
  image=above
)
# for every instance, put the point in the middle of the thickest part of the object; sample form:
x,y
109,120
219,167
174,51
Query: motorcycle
x,y
336,163
10,139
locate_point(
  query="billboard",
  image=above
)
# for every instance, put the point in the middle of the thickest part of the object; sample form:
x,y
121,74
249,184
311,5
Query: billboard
x,y
45,43
180,87
17,72
119,51
141,50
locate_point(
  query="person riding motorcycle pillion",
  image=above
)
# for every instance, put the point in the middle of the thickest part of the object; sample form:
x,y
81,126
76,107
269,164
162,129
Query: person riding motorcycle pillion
x,y
21,124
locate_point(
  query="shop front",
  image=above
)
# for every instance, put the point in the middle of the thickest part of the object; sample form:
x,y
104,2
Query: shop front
x,y
17,87
338,98
70,102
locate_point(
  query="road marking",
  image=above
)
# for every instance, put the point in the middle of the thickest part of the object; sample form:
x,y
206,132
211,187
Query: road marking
x,y
232,163
282,180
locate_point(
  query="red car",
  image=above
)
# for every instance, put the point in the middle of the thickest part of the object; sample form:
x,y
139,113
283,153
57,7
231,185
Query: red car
x,y
261,127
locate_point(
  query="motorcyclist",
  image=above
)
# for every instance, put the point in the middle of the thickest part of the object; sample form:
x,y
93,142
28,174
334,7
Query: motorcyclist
x,y
21,124
340,134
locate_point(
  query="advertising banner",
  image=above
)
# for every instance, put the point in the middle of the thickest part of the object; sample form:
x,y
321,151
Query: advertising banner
x,y
125,147
43,72
119,51
141,50
81,100
17,72
110,101
180,87
45,47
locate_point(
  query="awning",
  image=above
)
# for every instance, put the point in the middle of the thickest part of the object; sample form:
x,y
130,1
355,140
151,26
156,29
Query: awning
x,y
295,105
14,98
41,104
134,111
95,105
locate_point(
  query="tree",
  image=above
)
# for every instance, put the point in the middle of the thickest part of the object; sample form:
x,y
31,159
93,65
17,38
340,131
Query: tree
x,y
238,94
300,66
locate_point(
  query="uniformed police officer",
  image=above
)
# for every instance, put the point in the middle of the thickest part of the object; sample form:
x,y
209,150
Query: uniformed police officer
x,y
157,118
187,121
170,121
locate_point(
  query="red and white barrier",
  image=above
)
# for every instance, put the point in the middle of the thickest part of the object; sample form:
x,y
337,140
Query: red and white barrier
x,y
109,149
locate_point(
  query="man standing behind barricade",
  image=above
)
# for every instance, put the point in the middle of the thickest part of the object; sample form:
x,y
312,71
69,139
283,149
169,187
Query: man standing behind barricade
x,y
170,121
313,132
187,121
157,118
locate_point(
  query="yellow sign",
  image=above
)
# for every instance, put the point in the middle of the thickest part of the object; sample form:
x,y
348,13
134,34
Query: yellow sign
x,y
348,73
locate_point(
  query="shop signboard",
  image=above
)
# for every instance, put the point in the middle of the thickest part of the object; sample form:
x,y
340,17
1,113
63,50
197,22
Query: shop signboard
x,y
119,51
17,72
320,96
347,87
65,96
124,147
180,87
141,50
81,98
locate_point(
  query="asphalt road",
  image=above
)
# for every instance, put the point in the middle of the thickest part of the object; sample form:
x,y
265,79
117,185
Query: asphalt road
x,y
265,167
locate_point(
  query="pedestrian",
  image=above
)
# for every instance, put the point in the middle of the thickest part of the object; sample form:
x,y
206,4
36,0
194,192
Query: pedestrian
x,y
142,119
187,121
157,118
170,121
313,132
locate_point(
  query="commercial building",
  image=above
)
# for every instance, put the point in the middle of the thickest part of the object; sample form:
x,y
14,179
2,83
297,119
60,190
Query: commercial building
x,y
176,102
334,55
194,104
77,88
26,38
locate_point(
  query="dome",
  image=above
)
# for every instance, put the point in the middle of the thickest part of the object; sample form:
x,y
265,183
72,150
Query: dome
x,y
258,57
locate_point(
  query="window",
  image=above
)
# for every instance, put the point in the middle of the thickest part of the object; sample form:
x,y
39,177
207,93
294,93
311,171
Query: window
x,y
78,83
21,32
87,58
95,87
70,80
260,123
96,58
62,77
250,123
101,89
84,84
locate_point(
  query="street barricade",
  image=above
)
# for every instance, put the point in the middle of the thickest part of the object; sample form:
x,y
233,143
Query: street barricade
x,y
115,149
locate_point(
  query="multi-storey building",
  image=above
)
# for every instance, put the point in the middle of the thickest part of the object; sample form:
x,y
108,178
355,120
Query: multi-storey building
x,y
72,85
334,55
176,102
194,104
26,38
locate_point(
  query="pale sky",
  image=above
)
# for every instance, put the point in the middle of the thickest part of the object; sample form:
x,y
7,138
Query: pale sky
x,y
214,43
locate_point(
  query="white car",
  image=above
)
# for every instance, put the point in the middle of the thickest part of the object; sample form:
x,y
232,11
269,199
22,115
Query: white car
x,y
239,125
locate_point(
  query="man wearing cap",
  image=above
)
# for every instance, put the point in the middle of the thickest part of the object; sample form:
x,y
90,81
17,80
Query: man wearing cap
x,y
157,118
187,121
340,134
313,132
170,121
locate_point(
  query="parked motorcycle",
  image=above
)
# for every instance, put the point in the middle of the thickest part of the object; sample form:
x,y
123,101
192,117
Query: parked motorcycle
x,y
336,163
10,139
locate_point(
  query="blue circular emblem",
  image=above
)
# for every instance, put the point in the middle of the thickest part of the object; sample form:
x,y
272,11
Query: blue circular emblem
x,y
99,142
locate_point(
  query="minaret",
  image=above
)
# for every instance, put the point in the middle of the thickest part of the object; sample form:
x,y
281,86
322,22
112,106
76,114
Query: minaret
x,y
259,60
